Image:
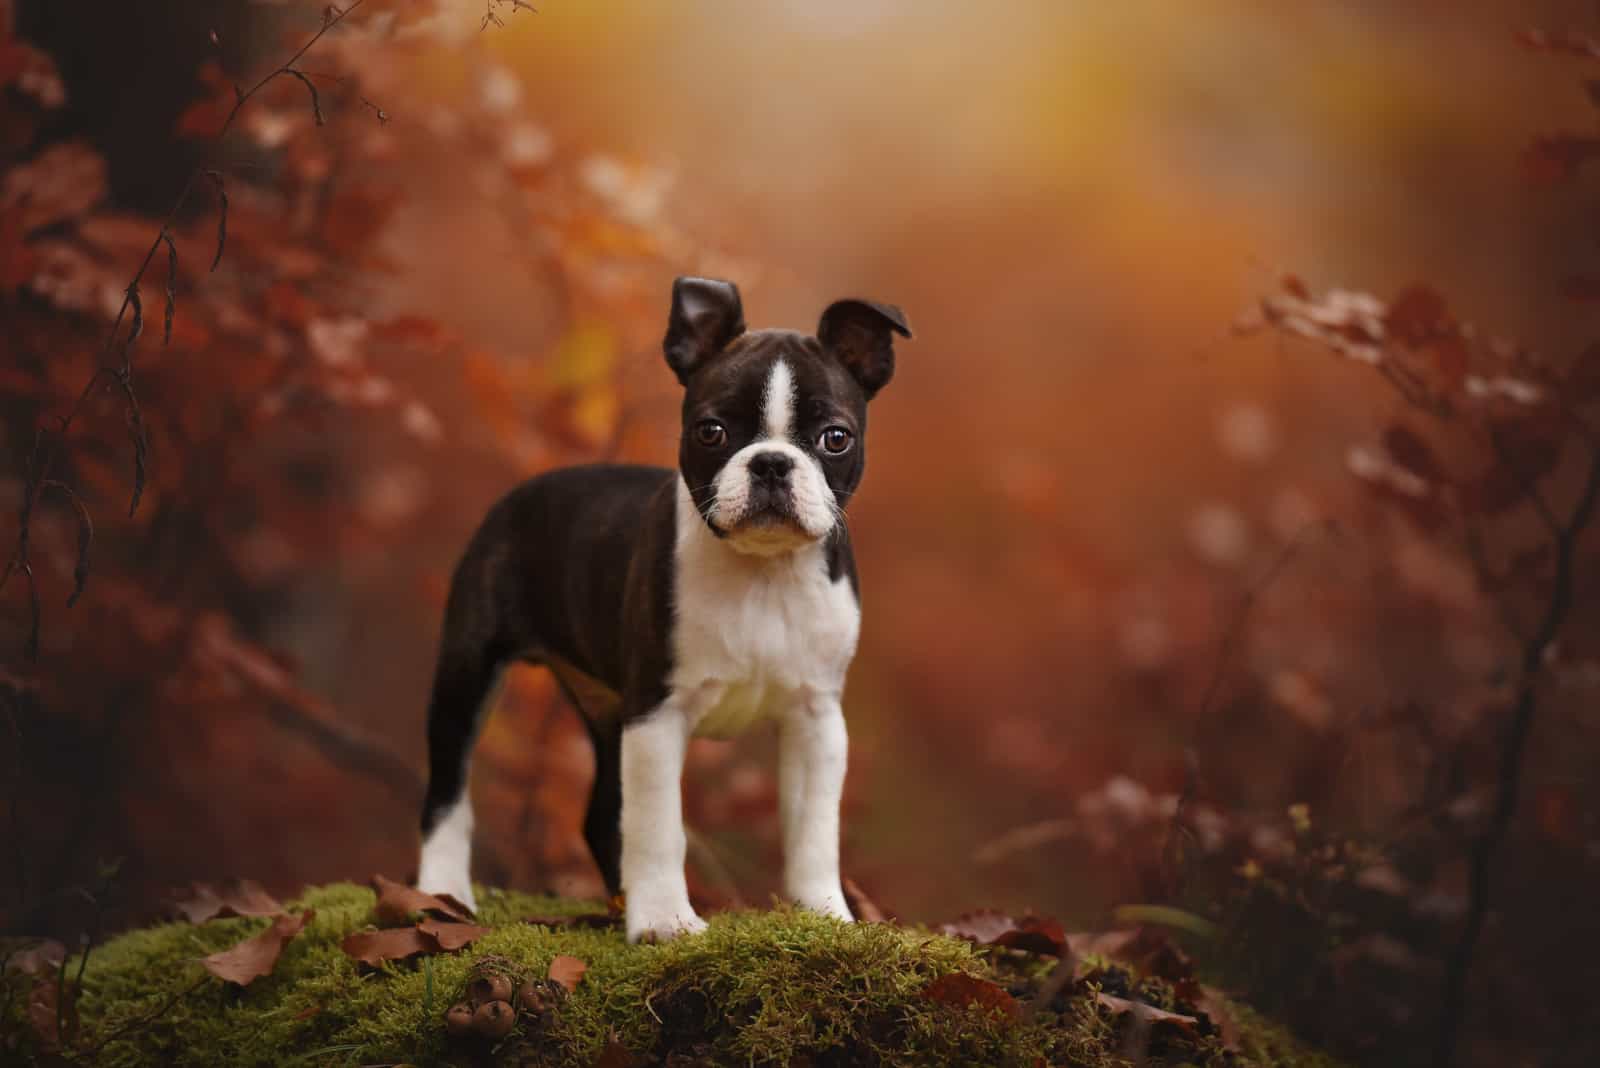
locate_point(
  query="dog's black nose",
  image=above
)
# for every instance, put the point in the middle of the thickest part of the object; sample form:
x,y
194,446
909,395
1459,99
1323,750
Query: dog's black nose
x,y
771,467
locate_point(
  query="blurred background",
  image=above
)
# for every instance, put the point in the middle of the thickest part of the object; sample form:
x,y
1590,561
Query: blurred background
x,y
1137,630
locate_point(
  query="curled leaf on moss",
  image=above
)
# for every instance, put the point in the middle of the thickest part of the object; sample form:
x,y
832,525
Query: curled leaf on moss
x,y
254,957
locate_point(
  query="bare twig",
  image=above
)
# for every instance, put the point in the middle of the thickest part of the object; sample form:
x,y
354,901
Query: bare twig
x,y
43,460
1487,843
1225,655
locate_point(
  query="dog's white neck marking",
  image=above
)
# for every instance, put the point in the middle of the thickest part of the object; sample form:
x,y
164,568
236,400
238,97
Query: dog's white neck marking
x,y
767,629
777,403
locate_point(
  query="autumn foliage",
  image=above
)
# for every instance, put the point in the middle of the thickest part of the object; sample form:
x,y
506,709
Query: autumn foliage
x,y
1286,647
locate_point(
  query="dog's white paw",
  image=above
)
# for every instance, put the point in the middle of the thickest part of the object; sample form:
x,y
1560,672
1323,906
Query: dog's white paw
x,y
454,883
829,905
662,925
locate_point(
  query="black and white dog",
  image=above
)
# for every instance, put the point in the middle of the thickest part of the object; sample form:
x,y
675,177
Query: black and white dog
x,y
671,604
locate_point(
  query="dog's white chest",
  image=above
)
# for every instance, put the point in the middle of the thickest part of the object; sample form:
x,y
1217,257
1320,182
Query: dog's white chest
x,y
753,632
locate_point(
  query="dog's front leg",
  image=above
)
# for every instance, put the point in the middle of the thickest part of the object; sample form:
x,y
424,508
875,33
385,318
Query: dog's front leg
x,y
814,748
653,839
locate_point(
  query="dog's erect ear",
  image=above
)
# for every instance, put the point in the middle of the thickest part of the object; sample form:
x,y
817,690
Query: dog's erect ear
x,y
860,333
706,315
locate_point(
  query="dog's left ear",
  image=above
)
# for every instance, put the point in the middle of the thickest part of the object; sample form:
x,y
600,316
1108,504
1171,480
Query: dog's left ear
x,y
861,334
706,315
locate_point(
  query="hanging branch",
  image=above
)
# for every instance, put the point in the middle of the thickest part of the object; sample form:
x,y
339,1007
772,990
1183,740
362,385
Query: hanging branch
x,y
43,459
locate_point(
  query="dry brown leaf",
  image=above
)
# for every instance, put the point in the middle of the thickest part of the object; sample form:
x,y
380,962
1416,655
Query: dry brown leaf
x,y
375,947
257,956
450,937
963,991
397,901
568,971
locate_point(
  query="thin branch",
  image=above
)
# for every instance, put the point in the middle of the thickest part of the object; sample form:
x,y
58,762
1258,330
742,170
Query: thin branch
x,y
1225,656
131,302
1488,841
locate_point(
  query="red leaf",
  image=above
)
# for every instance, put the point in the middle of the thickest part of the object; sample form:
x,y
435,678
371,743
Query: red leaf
x,y
1035,934
568,971
451,936
963,991
397,901
236,897
255,957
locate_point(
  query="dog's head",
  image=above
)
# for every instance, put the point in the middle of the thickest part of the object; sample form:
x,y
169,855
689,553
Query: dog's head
x,y
774,421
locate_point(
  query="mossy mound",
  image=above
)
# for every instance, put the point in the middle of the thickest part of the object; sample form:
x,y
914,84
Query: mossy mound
x,y
776,987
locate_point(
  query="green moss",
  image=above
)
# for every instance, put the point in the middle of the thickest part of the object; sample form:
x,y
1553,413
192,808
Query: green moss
x,y
776,987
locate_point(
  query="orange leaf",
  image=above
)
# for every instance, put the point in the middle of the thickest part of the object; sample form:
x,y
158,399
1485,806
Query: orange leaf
x,y
568,971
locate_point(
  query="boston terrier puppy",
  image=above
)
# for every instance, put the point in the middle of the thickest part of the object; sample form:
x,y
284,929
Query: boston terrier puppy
x,y
674,604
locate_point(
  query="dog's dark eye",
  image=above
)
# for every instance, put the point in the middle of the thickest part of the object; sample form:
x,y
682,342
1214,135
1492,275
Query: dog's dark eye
x,y
711,434
835,439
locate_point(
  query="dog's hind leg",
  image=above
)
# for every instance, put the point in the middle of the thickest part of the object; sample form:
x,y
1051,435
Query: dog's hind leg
x,y
471,658
601,710
602,826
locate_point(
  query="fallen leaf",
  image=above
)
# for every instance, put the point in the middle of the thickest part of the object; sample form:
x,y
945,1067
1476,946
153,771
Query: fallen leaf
x,y
236,897
257,956
397,901
962,991
375,947
862,907
450,937
568,971
1146,1013
1035,934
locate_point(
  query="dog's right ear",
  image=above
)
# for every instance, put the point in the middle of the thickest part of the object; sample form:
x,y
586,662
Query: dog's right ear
x,y
706,315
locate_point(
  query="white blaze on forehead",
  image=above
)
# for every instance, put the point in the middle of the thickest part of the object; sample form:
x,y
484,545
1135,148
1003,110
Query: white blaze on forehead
x,y
777,405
